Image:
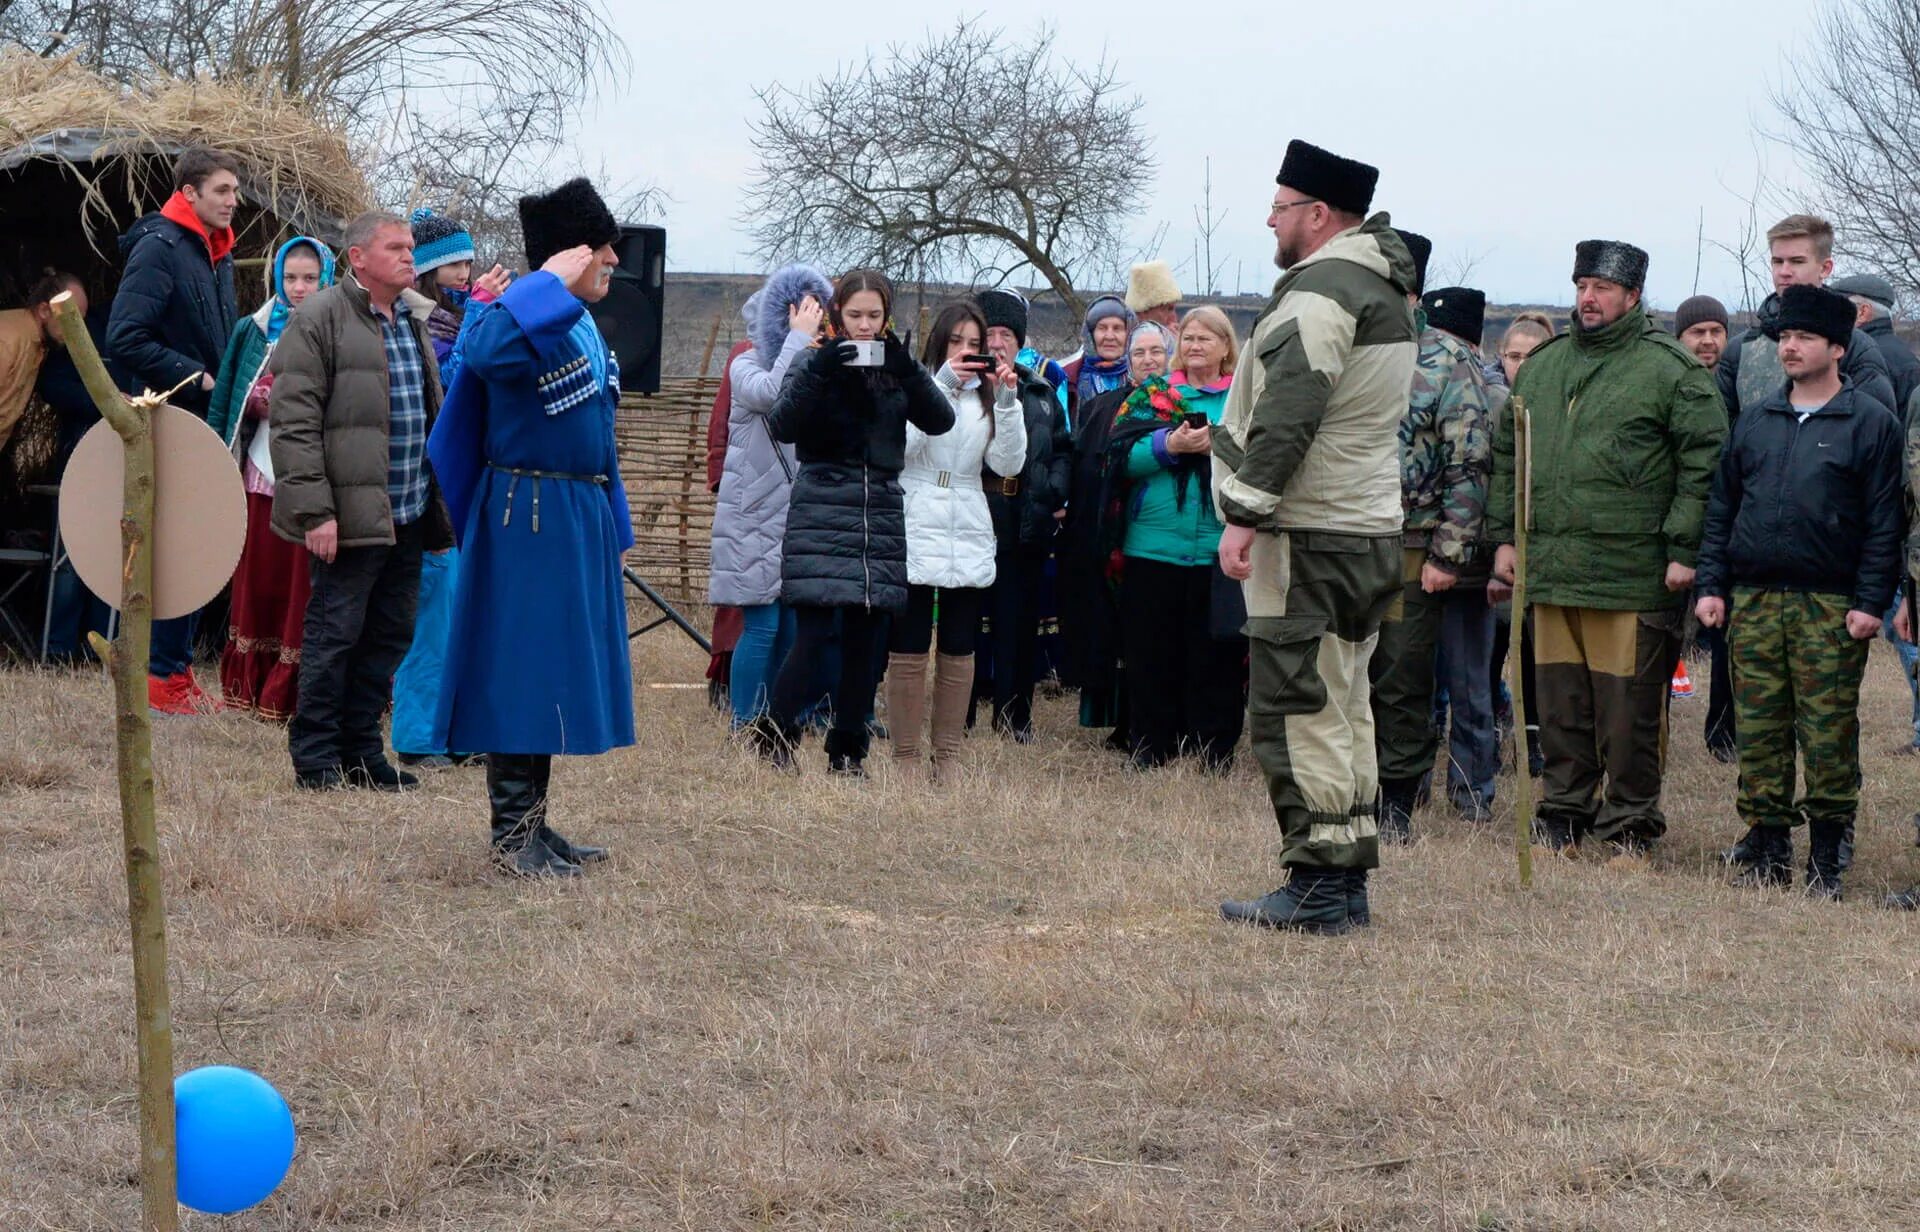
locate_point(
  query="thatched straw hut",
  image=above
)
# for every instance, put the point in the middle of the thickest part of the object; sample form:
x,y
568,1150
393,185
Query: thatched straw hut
x,y
82,157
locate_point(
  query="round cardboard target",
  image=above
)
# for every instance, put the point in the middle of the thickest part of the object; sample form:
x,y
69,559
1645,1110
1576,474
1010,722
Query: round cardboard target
x,y
199,512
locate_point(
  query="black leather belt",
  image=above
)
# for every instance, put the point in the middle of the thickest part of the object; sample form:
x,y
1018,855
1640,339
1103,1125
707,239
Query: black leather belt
x,y
520,472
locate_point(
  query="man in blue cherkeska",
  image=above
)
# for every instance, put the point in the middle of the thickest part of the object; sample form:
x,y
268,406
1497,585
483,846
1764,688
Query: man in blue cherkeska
x,y
523,450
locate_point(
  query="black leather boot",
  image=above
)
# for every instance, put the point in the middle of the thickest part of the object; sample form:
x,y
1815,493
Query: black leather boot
x,y
1769,862
847,752
1314,900
1553,831
1397,799
513,794
558,843
1749,851
1827,857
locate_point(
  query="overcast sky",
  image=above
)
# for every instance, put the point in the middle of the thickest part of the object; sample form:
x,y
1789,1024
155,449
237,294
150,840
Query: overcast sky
x,y
1505,131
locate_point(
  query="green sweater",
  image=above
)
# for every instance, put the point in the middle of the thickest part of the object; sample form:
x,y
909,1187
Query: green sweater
x,y
1159,527
1627,430
245,355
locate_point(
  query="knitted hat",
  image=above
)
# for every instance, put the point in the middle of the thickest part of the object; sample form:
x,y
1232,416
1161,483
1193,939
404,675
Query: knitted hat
x,y
1340,182
1868,286
1698,310
1461,311
1613,260
1005,308
1107,306
1422,248
437,241
1151,285
570,215
1815,310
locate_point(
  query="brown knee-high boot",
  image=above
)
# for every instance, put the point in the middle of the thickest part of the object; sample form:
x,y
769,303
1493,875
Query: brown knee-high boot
x,y
952,687
906,704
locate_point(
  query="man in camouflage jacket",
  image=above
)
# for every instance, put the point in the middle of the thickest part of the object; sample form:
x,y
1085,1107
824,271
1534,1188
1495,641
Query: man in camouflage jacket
x,y
1627,429
1446,460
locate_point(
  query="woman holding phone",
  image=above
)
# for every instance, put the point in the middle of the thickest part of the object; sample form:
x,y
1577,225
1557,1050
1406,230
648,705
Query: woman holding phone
x,y
950,539
844,555
1180,617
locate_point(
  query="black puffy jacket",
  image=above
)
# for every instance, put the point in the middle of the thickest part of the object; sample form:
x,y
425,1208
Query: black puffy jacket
x,y
174,310
846,541
1808,506
1026,516
1902,366
1749,372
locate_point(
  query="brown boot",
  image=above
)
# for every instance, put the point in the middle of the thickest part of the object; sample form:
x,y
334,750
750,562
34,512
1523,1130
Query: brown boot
x,y
906,706
952,687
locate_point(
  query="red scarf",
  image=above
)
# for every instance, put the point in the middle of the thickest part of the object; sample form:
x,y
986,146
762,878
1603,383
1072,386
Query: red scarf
x,y
177,209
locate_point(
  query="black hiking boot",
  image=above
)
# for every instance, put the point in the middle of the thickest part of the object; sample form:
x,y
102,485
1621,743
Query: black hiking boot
x,y
1314,900
1553,831
1768,861
1829,851
1357,910
377,774
773,740
1397,800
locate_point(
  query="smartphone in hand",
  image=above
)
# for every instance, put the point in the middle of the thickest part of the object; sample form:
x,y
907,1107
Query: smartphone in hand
x,y
1196,419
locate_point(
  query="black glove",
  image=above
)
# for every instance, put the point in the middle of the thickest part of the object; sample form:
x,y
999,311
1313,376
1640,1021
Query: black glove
x,y
899,361
834,355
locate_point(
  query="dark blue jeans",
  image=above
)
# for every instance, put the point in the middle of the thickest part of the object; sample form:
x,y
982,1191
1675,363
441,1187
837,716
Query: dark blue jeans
x,y
172,651
1466,650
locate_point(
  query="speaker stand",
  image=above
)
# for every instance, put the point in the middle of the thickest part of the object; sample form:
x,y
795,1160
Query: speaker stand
x,y
668,614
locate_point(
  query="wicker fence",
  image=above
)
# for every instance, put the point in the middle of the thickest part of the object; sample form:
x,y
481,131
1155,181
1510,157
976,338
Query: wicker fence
x,y
662,441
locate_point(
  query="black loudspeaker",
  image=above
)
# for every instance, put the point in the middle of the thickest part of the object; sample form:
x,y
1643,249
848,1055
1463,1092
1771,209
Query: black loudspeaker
x,y
633,314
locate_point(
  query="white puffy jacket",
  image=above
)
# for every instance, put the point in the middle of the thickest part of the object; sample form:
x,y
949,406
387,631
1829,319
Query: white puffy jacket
x,y
949,528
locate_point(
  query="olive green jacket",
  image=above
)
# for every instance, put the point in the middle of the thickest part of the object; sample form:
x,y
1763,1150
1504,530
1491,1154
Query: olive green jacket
x,y
1627,429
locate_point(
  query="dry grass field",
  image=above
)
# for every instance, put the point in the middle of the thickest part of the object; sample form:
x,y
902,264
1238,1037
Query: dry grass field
x,y
1002,1004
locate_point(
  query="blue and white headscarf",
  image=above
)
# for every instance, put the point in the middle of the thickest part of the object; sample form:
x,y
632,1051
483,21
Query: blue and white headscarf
x,y
277,319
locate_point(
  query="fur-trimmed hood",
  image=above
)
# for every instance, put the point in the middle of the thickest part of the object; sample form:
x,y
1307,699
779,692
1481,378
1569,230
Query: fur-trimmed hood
x,y
767,319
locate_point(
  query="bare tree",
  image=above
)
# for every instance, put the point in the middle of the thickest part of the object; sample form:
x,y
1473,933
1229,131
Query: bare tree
x,y
1747,249
972,155
1206,224
1456,268
1849,107
469,96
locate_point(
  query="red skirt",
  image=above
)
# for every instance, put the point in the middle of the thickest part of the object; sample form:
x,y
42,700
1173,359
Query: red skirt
x,y
260,670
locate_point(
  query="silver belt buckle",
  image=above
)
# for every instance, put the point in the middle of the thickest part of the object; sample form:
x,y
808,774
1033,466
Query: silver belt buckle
x,y
945,480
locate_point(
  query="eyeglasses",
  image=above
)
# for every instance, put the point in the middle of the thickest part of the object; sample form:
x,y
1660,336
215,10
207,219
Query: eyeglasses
x,y
1280,207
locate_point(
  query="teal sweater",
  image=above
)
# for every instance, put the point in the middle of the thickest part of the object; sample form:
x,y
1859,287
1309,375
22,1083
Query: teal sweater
x,y
1158,527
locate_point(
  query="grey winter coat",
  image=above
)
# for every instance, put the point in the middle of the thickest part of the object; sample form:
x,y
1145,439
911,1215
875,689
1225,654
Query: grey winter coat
x,y
756,483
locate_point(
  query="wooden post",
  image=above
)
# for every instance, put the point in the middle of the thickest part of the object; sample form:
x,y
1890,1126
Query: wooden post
x,y
133,730
1522,523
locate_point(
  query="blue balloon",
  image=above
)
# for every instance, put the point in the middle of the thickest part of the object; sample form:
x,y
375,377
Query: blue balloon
x,y
234,1137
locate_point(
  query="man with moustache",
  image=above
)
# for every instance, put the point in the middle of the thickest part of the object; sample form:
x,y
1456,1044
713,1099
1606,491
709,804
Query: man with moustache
x,y
1801,556
1306,478
1627,428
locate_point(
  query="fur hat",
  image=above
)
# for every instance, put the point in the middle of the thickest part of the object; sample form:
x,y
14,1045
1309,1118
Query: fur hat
x,y
1461,311
1421,248
570,215
1815,310
1005,308
788,285
1696,310
1613,260
1868,286
1340,182
1151,285
437,241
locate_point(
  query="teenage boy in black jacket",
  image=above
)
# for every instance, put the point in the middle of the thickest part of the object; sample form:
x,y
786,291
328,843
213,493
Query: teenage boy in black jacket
x,y
1802,554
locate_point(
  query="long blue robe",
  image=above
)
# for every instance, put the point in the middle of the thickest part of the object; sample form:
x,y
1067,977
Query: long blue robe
x,y
537,657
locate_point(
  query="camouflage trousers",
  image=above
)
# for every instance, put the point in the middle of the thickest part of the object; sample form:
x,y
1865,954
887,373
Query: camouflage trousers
x,y
1796,688
1402,677
1314,605
1601,681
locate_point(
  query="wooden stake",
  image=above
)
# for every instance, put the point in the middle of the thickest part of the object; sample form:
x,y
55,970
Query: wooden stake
x,y
133,730
1522,522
